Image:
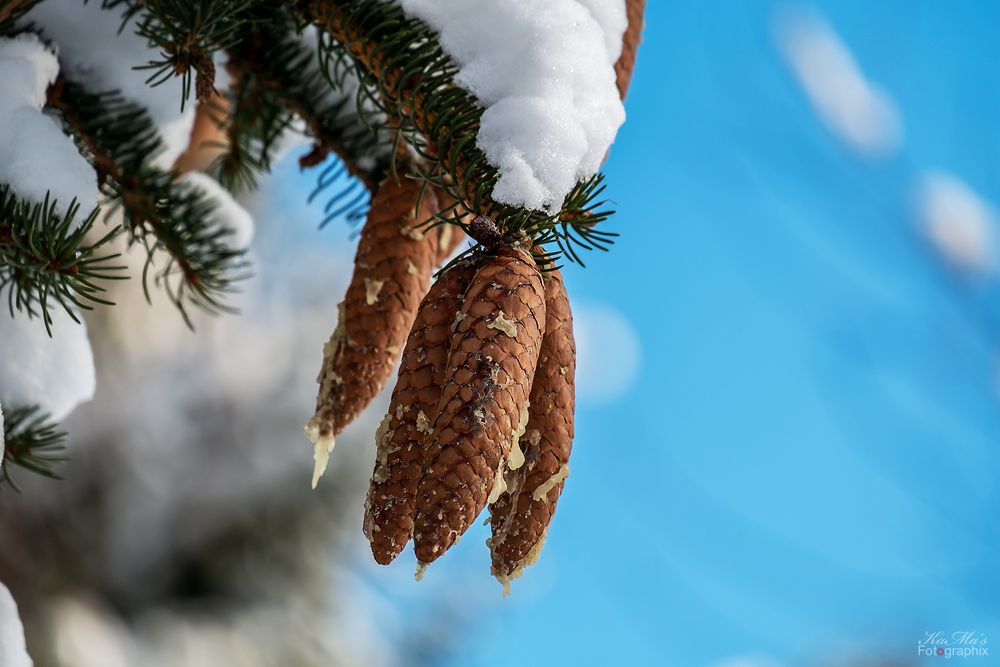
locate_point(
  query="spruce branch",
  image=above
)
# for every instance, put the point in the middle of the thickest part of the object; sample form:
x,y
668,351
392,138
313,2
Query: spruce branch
x,y
169,220
253,123
276,77
284,74
46,258
411,78
31,441
188,33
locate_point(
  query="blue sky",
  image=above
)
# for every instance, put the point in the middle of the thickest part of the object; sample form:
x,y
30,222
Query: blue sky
x,y
806,465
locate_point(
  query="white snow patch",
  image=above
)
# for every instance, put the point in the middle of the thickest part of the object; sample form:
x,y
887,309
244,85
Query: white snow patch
x,y
86,635
613,20
544,71
93,53
35,155
608,353
227,212
958,223
55,373
13,651
854,109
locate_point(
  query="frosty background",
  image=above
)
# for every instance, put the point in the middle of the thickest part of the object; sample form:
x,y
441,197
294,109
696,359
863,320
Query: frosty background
x,y
789,400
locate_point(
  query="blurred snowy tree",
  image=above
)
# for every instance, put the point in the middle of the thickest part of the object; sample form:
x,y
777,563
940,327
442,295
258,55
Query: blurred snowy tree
x,y
127,127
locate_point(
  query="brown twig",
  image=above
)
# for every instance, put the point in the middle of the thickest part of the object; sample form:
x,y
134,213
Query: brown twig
x,y
208,138
630,44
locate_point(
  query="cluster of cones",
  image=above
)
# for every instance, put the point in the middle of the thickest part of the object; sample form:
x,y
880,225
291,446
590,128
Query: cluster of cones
x,y
482,410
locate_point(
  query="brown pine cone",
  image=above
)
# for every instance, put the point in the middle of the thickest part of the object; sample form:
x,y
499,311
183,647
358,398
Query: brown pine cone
x,y
521,515
402,437
483,409
392,267
630,44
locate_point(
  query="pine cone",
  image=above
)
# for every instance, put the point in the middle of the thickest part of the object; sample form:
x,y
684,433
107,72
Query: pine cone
x,y
521,515
484,402
402,437
392,268
204,80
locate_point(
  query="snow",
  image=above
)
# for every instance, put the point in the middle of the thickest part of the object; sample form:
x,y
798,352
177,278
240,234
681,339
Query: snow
x,y
854,109
35,155
94,53
958,223
13,651
227,211
544,71
613,21
55,373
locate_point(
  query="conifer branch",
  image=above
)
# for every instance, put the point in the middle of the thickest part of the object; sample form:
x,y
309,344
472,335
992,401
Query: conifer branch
x,y
188,33
254,124
31,441
119,138
46,259
283,70
321,123
414,80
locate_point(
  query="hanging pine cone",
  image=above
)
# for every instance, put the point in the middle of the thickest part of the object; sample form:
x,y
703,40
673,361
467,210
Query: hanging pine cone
x,y
401,440
520,517
483,409
392,267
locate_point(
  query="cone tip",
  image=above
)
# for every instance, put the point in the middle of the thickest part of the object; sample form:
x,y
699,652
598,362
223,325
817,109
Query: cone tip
x,y
322,448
